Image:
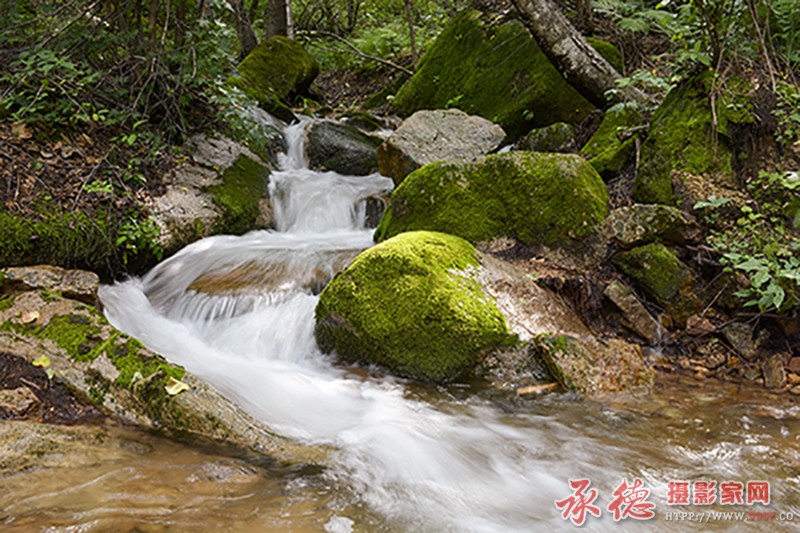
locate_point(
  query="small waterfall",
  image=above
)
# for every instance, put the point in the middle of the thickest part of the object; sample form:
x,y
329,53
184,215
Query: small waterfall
x,y
239,312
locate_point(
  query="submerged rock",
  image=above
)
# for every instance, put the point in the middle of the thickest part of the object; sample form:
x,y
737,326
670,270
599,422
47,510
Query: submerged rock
x,y
658,271
497,72
123,378
274,72
413,305
342,148
429,136
548,199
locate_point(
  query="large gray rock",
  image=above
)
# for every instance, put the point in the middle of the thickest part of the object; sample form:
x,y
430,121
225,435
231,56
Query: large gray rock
x,y
438,135
124,379
342,148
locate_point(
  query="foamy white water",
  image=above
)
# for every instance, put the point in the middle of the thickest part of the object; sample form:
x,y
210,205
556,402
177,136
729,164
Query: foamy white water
x,y
461,464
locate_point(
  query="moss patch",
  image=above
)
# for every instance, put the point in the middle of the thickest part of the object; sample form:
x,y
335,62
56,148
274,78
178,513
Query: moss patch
x,y
658,271
244,183
411,304
682,137
495,71
275,71
536,198
607,151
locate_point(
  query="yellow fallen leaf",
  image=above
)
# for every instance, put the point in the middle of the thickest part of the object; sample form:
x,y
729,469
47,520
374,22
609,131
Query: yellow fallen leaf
x,y
30,316
20,129
174,387
42,361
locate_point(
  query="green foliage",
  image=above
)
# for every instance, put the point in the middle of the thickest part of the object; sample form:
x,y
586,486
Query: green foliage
x,y
787,112
135,236
762,242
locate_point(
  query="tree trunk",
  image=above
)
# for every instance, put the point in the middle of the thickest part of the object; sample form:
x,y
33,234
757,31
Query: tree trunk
x,y
277,21
244,29
580,64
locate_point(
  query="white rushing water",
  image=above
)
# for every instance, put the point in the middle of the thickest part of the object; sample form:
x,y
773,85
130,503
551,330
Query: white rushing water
x,y
461,464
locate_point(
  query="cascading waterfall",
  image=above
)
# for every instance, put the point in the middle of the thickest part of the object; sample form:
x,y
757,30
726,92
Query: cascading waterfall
x,y
238,311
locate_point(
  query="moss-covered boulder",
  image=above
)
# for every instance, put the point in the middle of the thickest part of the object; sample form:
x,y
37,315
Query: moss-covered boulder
x,y
274,72
687,136
341,148
640,224
659,272
613,143
412,304
497,72
558,137
537,198
77,346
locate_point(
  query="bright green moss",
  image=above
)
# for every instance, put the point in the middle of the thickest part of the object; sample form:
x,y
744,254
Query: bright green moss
x,y
658,271
606,151
244,184
495,71
274,71
411,304
537,198
683,137
77,335
6,302
129,356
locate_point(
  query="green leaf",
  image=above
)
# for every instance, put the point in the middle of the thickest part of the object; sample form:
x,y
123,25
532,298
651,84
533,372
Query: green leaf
x,y
42,361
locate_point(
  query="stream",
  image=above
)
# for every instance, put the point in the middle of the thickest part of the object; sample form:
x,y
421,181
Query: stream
x,y
238,312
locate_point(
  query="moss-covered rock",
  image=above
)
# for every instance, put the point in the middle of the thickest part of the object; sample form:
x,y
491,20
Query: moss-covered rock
x,y
558,137
640,224
412,305
274,72
686,136
607,150
537,198
497,72
245,185
656,270
126,380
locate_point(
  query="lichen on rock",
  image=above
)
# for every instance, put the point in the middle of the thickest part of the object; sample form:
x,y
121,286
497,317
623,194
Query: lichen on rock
x,y
412,305
536,198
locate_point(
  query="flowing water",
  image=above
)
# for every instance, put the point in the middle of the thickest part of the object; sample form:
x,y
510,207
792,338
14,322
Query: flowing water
x,y
238,311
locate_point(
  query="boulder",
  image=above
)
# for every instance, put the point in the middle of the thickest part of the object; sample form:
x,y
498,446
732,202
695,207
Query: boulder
x,y
614,141
426,305
657,271
496,71
342,148
438,135
274,72
558,137
548,199
223,188
645,223
414,306
76,284
687,137
121,377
